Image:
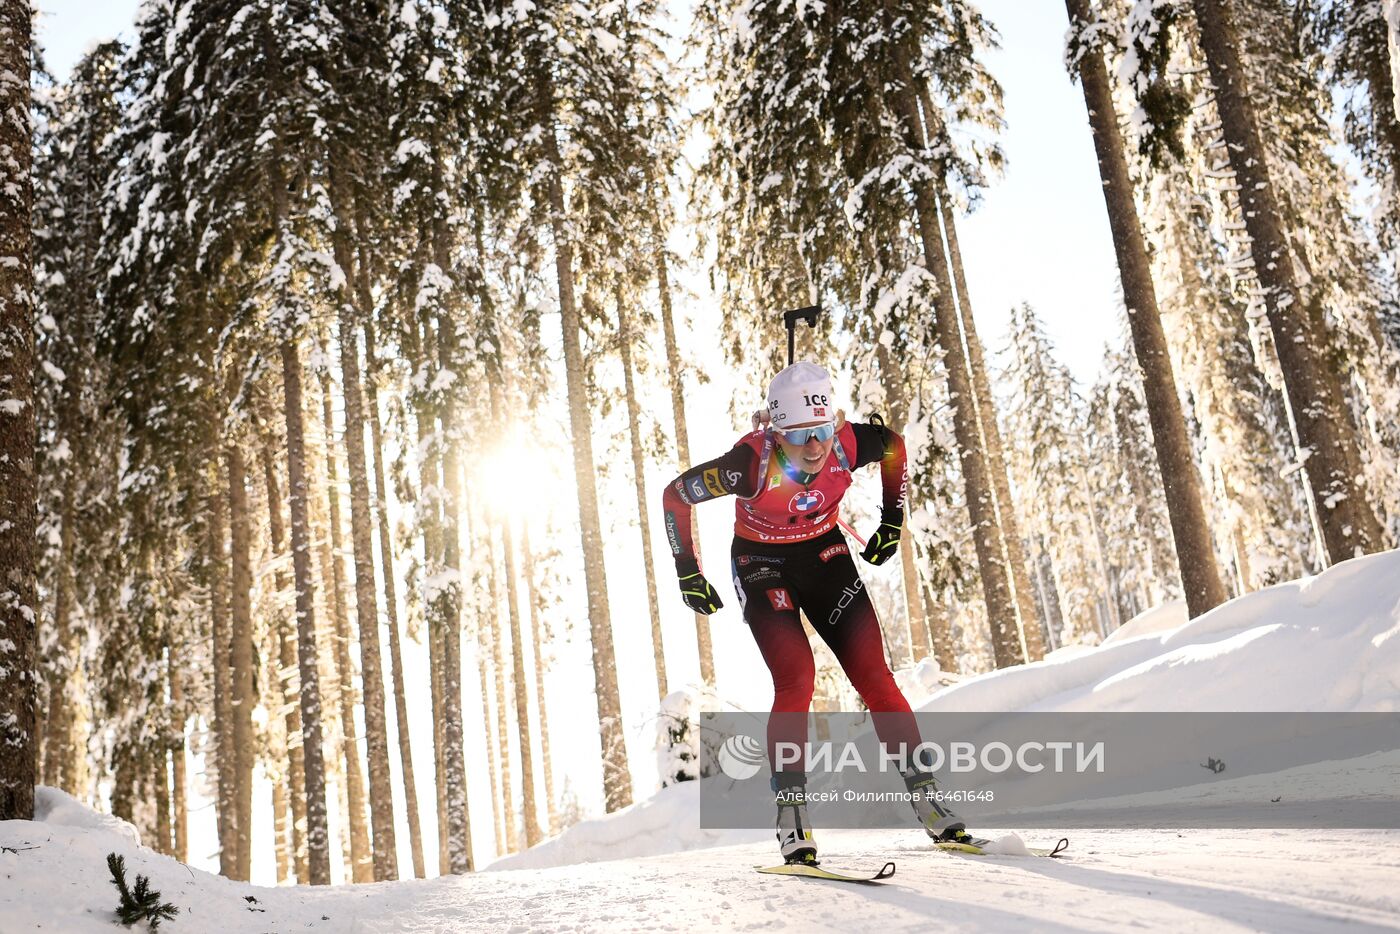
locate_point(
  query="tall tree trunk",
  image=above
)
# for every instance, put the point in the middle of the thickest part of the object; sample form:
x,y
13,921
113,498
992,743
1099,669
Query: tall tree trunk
x,y
242,700
940,627
439,756
919,642
634,427
617,779
1383,81
991,436
287,671
422,355
179,802
1049,598
61,748
160,785
386,557
442,602
451,617
674,368
1001,612
281,851
1327,441
381,788
1200,575
361,856
522,702
317,838
331,582
222,675
492,624
275,734
537,645
490,722
491,733
19,686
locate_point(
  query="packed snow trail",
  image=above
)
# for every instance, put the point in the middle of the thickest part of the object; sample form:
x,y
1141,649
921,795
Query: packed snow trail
x,y
1281,881
1330,642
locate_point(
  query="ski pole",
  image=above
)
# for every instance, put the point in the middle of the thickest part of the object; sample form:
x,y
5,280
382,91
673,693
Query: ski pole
x,y
850,531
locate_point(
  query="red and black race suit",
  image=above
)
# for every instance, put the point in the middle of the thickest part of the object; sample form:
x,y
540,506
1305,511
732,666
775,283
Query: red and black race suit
x,y
776,501
789,556
818,577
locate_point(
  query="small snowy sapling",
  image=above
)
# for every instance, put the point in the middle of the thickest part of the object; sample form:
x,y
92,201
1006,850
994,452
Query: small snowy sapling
x,y
139,903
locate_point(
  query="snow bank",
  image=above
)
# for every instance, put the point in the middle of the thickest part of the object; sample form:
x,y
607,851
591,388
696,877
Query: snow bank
x,y
667,822
923,680
58,807
1324,643
1170,615
54,877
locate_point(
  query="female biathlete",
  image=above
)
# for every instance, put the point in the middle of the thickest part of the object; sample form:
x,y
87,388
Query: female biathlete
x,y
789,555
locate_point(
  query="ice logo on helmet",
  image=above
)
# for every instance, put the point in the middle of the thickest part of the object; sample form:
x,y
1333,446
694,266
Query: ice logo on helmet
x,y
807,500
740,757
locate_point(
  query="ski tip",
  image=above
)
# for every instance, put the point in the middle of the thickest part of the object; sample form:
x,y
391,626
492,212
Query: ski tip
x,y
886,872
1060,847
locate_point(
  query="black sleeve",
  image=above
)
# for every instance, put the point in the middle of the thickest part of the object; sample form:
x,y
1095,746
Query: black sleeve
x,y
732,473
870,444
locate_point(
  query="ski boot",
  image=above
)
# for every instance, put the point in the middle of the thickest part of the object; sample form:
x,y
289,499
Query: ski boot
x,y
794,831
937,819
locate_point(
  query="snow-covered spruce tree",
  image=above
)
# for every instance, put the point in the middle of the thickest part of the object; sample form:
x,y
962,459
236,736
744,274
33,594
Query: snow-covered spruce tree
x,y
1326,436
659,120
371,268
428,82
832,155
1050,465
767,197
1032,626
618,225
1124,545
350,80
1257,509
1341,279
1363,53
18,597
161,344
504,357
958,95
550,70
76,454
252,125
1200,573
1340,273
1210,301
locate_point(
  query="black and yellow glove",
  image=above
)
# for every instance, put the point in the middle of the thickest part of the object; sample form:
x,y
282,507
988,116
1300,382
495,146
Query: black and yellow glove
x,y
698,593
885,541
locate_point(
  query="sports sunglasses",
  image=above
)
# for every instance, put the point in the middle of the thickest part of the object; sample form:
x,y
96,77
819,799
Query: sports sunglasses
x,y
803,435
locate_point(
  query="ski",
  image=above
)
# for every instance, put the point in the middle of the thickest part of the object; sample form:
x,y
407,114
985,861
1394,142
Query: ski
x,y
976,847
816,872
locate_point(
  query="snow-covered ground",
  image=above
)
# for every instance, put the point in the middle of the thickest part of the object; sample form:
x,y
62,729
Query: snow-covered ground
x,y
1331,642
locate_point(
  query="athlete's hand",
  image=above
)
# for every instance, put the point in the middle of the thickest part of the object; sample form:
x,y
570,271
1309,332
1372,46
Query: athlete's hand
x,y
698,593
882,545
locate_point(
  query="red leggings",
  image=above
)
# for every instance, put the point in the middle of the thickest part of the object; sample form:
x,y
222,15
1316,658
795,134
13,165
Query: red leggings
x,y
819,578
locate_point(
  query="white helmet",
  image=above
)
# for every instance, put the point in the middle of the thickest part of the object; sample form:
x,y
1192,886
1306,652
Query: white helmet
x,y
801,394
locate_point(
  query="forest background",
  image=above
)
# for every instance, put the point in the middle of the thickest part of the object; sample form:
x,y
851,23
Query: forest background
x,y
1097,534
